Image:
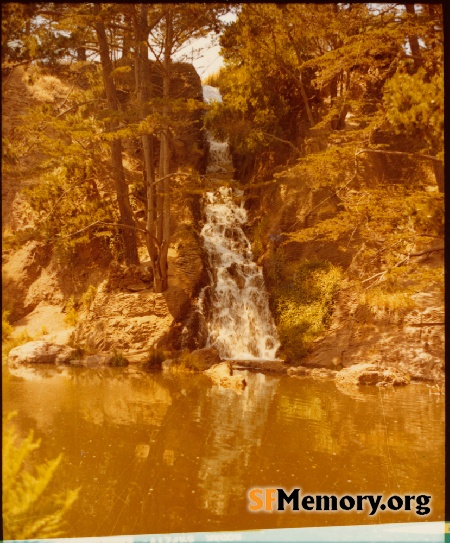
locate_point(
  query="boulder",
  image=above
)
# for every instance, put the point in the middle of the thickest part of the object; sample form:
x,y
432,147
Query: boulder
x,y
207,357
40,352
222,375
371,374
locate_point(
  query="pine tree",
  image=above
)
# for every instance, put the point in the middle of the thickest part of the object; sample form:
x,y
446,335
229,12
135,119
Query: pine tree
x,y
28,511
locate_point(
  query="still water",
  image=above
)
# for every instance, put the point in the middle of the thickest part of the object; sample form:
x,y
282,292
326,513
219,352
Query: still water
x,y
156,453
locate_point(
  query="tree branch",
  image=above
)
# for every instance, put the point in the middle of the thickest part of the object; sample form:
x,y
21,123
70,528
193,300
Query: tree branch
x,y
426,251
420,253
400,153
283,141
118,225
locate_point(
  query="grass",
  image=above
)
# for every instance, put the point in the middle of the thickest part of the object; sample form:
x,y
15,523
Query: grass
x,y
394,301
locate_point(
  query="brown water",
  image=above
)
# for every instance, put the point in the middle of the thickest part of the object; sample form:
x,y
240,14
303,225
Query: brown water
x,y
154,453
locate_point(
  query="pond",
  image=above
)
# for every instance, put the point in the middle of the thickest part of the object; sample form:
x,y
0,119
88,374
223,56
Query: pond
x,y
158,453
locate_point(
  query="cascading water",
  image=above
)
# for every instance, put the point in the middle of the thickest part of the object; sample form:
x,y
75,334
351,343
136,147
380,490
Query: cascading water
x,y
240,325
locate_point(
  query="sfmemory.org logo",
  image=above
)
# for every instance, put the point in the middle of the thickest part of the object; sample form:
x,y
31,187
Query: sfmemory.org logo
x,y
270,499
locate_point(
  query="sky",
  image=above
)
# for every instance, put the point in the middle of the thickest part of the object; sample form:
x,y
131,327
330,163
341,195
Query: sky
x,y
208,59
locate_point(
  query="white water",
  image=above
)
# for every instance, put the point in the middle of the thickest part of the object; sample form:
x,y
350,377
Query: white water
x,y
240,324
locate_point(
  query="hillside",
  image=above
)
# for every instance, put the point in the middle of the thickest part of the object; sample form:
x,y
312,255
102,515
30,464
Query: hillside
x,y
105,170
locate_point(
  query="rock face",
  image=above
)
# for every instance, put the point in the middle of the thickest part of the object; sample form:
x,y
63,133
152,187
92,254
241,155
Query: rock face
x,y
222,375
40,352
371,374
21,270
414,344
127,315
124,320
207,357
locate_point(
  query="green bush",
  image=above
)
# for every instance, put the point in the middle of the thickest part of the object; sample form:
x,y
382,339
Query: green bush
x,y
28,511
10,343
118,360
304,293
259,236
212,79
7,328
72,317
88,297
189,362
154,360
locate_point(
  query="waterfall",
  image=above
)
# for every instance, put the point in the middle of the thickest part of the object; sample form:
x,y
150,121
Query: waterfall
x,y
240,325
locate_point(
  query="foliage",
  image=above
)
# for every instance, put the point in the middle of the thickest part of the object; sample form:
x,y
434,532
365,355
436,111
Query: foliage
x,y
118,360
7,328
29,511
303,298
12,342
259,236
415,107
213,80
72,316
154,359
187,362
88,297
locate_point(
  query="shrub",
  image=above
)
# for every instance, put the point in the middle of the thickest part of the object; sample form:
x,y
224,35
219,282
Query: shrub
x,y
118,360
7,328
88,297
304,293
213,79
154,360
72,316
259,236
23,337
188,362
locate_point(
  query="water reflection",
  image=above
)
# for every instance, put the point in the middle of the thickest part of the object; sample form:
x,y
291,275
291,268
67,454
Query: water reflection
x,y
155,453
223,468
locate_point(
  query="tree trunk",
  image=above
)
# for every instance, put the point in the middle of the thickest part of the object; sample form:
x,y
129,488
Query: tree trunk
x,y
143,93
126,41
81,54
300,62
413,40
164,164
123,200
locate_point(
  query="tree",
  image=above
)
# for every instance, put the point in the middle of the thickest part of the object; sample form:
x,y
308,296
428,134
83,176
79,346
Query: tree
x,y
170,28
126,216
372,77
143,84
